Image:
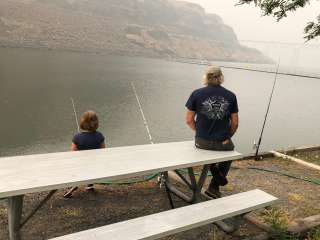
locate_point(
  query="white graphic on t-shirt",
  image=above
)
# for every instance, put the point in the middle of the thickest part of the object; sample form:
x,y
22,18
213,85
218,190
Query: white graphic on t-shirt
x,y
215,107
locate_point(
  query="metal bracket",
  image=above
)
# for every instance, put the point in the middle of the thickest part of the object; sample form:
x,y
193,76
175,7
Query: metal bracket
x,y
193,185
15,205
51,193
196,186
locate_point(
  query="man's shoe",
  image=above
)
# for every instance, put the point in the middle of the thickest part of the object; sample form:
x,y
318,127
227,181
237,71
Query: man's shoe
x,y
213,193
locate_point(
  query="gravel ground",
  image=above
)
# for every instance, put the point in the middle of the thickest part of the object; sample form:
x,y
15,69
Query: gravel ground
x,y
299,198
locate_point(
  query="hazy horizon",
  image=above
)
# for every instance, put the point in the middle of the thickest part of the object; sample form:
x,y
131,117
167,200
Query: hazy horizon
x,y
92,31
278,40
249,24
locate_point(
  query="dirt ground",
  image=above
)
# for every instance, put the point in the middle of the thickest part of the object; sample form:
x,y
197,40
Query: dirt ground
x,y
114,203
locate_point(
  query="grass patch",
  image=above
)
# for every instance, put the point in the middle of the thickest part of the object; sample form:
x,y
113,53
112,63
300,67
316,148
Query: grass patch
x,y
72,212
215,234
312,156
314,234
3,212
276,217
279,222
295,197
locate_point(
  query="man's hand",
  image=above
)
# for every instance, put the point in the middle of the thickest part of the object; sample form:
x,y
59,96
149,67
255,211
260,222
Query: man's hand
x,y
234,123
190,119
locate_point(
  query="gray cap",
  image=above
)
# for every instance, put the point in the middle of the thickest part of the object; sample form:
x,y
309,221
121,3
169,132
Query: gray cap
x,y
214,70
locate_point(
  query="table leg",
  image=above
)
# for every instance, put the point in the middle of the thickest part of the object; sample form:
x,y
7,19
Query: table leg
x,y
197,186
194,185
201,182
15,205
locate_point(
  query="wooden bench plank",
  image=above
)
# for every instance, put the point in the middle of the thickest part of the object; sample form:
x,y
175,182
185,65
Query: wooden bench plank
x,y
178,220
43,172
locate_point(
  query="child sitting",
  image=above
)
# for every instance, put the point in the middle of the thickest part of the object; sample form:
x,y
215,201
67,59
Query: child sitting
x,y
89,138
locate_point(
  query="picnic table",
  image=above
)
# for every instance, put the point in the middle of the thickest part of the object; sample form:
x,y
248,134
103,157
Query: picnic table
x,y
28,174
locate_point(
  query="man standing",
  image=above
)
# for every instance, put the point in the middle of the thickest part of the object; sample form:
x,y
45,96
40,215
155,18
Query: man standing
x,y
212,112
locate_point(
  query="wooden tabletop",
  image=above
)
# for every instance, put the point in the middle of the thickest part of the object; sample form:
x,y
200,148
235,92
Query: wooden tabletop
x,y
42,172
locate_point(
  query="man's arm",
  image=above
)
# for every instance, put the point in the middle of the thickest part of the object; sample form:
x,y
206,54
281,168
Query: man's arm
x,y
190,119
234,123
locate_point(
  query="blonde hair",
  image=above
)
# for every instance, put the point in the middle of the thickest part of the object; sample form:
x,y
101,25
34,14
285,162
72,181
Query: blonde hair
x,y
213,76
89,121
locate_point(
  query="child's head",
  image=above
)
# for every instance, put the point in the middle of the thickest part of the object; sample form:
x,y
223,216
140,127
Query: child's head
x,y
89,121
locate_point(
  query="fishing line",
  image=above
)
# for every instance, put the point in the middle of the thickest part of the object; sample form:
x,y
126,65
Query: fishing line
x,y
142,113
267,112
68,194
160,176
190,61
75,114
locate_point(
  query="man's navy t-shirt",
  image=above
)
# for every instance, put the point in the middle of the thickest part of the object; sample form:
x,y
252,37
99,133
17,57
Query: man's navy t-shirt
x,y
213,106
88,140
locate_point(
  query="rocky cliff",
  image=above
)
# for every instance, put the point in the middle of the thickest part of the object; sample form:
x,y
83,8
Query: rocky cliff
x,y
155,28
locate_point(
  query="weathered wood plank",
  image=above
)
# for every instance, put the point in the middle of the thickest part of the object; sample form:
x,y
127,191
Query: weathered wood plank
x,y
178,220
34,173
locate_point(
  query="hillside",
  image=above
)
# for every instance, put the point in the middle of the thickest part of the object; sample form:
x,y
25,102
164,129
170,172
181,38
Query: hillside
x,y
155,28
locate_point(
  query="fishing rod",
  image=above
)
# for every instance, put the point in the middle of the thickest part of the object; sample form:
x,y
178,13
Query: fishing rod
x,y
246,69
162,176
142,113
75,113
68,194
257,146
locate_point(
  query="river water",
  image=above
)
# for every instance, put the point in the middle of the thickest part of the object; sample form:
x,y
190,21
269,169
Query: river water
x,y
37,114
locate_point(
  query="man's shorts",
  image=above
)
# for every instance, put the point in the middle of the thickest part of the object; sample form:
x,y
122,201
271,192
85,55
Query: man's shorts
x,y
214,144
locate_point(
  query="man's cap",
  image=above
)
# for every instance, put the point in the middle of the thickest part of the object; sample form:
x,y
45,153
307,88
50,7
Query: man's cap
x,y
215,71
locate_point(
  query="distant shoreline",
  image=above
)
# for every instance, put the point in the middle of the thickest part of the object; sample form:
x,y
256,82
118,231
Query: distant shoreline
x,y
171,59
127,54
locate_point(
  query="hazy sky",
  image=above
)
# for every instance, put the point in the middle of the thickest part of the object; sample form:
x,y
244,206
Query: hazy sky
x,y
248,24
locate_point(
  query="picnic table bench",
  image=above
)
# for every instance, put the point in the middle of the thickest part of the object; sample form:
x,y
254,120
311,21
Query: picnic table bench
x,y
181,219
48,172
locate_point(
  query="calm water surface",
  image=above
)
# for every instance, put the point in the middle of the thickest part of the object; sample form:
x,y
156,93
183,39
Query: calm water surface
x,y
37,115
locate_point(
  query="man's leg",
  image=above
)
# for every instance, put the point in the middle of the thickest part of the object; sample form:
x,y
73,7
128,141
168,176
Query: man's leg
x,y
224,168
219,171
214,186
